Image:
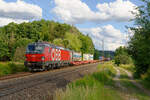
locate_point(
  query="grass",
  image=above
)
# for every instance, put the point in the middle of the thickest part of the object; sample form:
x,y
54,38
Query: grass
x,y
133,90
145,83
98,86
11,68
101,86
144,80
123,75
129,67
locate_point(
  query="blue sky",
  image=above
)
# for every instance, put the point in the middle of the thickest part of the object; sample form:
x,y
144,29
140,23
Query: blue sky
x,y
93,22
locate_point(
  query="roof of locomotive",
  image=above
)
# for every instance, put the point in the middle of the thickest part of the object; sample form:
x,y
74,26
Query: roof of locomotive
x,y
49,45
42,43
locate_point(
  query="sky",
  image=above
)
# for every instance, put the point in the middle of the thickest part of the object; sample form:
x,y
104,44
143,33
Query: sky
x,y
102,20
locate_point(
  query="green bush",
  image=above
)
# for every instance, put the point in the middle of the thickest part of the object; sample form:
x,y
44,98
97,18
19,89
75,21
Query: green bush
x,y
19,55
122,59
145,79
4,69
11,68
129,67
20,48
122,56
146,76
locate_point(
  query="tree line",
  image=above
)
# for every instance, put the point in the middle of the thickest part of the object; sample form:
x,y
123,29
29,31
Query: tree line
x,y
15,37
139,45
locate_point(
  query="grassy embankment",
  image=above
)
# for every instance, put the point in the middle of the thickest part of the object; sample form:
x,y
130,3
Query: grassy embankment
x,y
145,78
11,68
133,90
99,85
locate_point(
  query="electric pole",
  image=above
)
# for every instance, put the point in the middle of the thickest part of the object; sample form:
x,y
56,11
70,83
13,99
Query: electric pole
x,y
103,48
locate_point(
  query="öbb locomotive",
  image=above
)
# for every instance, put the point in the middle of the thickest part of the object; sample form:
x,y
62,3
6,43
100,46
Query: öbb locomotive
x,y
44,56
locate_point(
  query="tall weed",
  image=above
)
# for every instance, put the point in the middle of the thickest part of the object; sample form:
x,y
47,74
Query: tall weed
x,y
97,86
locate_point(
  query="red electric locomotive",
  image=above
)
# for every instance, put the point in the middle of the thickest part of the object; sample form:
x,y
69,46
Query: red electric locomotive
x,y
44,56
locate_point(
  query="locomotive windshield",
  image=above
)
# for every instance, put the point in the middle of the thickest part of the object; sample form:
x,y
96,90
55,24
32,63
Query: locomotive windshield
x,y
35,49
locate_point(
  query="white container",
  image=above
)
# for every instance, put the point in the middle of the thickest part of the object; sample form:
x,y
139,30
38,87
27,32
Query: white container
x,y
87,57
76,56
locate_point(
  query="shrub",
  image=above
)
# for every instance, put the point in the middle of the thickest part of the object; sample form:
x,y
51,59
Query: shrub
x,y
146,76
20,54
129,67
11,68
122,59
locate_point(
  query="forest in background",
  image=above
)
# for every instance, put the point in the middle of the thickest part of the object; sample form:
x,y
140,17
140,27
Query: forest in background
x,y
15,37
106,54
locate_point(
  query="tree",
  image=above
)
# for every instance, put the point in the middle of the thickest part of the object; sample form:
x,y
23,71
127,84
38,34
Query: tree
x,y
4,50
122,56
87,44
121,51
73,41
139,46
14,37
58,42
96,54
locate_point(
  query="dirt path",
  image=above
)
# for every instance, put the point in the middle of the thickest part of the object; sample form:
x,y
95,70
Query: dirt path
x,y
124,91
117,79
135,83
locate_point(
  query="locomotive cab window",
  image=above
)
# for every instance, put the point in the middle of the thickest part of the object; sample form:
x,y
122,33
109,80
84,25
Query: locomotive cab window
x,y
38,49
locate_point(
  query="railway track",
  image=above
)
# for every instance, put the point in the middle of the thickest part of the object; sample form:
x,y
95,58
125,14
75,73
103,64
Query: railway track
x,y
22,74
32,81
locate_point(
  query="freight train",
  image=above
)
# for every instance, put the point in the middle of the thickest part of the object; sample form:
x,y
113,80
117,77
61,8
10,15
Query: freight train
x,y
44,56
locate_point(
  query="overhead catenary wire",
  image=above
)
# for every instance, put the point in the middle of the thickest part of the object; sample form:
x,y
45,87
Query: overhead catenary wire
x,y
97,25
127,35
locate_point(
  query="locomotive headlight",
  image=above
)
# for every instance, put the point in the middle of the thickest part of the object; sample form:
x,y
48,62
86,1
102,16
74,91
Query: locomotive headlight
x,y
43,58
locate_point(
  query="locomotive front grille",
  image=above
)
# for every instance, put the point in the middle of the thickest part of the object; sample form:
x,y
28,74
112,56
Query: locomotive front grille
x,y
35,64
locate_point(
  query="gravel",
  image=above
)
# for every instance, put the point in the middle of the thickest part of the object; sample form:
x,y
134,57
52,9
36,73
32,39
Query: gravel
x,y
42,86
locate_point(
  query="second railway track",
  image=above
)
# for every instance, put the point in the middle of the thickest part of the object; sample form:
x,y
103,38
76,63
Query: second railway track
x,y
22,74
21,84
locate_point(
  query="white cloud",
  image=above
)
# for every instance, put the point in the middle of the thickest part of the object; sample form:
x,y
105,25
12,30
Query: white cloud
x,y
5,21
76,11
113,38
18,12
120,10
